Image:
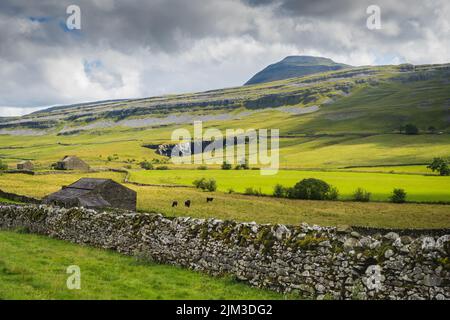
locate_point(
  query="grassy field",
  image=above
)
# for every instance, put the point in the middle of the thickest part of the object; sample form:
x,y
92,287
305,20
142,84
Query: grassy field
x,y
419,187
250,208
104,274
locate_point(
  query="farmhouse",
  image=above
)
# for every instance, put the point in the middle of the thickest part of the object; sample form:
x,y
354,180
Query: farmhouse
x,y
25,165
71,163
94,194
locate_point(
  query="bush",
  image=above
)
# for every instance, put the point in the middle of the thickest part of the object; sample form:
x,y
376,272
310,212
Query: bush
x,y
162,168
3,166
205,184
253,192
361,195
440,165
411,129
202,168
312,189
226,166
398,196
146,165
242,166
280,192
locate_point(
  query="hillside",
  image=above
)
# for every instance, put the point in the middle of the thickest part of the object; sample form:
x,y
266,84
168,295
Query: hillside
x,y
349,117
295,66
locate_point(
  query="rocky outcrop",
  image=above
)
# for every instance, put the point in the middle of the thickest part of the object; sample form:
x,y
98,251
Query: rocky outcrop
x,y
317,262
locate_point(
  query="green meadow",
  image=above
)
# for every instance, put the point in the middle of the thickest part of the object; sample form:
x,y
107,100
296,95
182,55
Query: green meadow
x,y
420,188
247,208
104,274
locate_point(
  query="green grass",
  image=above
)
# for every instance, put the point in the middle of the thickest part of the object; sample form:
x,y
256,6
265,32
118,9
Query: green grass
x,y
249,208
419,187
34,267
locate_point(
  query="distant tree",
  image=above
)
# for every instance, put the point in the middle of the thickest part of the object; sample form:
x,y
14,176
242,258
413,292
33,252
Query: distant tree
x,y
398,196
3,166
226,166
432,129
439,165
411,129
313,189
279,191
146,165
205,184
361,195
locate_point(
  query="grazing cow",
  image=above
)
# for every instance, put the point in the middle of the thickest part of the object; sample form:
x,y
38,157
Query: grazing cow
x,y
175,204
187,203
209,200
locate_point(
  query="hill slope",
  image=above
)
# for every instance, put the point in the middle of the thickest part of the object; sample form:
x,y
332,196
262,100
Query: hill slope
x,y
334,119
295,66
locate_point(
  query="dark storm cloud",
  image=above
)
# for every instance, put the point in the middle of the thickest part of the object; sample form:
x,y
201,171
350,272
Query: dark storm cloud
x,y
142,48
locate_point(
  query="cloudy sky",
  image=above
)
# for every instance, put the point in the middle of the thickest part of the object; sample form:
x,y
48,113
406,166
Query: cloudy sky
x,y
133,48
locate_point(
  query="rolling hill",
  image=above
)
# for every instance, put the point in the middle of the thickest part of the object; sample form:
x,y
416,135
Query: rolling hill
x,y
333,119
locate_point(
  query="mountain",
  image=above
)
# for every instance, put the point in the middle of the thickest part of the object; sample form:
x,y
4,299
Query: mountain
x,y
295,66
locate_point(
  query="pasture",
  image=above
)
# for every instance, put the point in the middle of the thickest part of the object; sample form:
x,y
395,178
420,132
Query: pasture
x,y
420,188
248,208
104,274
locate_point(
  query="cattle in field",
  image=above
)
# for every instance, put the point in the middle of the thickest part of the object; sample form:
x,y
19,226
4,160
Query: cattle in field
x,y
209,200
175,204
187,203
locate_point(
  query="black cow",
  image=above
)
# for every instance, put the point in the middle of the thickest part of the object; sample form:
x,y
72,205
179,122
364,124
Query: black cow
x,y
187,203
175,204
209,200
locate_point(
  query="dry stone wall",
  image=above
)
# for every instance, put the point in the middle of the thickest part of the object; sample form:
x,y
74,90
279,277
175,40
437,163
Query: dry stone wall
x,y
317,262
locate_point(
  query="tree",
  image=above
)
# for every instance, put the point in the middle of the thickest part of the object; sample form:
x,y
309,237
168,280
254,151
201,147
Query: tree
x,y
279,191
3,166
205,184
411,129
439,165
226,166
313,189
361,195
398,196
146,165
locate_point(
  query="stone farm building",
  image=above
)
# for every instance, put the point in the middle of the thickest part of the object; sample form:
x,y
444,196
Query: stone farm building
x,y
25,165
72,163
94,194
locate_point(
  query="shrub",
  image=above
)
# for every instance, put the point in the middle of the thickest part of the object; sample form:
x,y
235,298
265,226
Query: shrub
x,y
162,168
440,165
398,196
226,166
242,166
202,168
205,184
411,129
311,189
253,192
146,165
280,192
333,194
361,195
3,166
230,190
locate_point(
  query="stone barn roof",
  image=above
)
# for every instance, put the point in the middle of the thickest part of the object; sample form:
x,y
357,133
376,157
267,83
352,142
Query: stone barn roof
x,y
94,193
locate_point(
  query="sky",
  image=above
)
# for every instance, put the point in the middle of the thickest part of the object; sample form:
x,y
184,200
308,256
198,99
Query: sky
x,y
133,49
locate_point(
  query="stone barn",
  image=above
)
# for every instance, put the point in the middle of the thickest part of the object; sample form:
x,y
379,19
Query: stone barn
x,y
25,165
94,194
72,163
